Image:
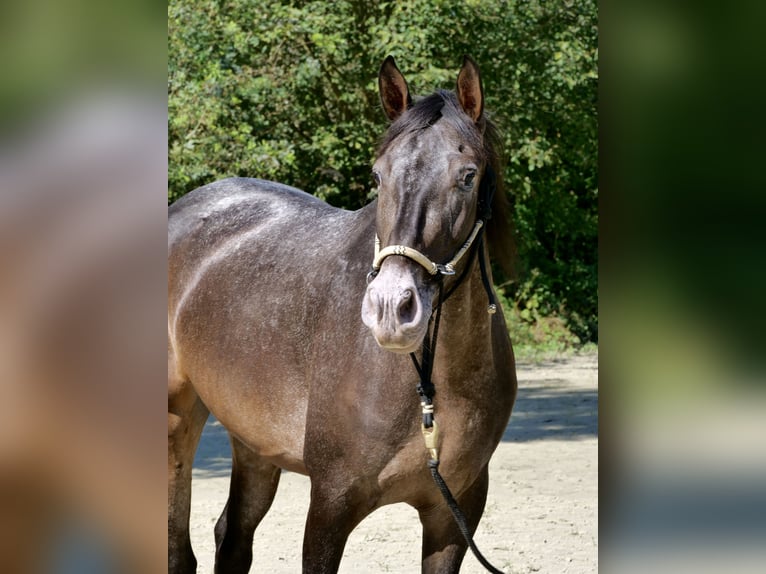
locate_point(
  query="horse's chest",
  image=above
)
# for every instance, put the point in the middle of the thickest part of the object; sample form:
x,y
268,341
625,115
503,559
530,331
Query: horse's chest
x,y
466,440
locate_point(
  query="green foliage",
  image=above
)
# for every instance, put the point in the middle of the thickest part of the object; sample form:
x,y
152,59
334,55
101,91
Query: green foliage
x,y
288,91
536,336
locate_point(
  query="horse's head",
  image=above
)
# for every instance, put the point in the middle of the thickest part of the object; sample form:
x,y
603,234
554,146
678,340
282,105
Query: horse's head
x,y
428,172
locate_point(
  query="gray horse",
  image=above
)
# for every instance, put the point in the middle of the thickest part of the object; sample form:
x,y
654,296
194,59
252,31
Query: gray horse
x,y
265,286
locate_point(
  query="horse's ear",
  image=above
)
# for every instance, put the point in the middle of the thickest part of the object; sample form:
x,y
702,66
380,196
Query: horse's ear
x,y
470,93
394,93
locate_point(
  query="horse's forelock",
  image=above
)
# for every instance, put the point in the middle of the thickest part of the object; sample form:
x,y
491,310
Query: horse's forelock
x,y
426,112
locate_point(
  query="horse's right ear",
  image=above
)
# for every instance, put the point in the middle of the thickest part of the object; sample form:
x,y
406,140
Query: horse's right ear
x,y
394,93
470,93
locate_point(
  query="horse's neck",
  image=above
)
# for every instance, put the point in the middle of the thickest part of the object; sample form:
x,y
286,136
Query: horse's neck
x,y
465,322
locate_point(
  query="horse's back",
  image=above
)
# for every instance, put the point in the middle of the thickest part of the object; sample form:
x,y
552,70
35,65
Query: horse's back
x,y
211,214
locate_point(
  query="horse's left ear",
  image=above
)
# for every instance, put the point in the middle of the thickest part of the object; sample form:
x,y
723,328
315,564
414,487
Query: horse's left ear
x,y
470,93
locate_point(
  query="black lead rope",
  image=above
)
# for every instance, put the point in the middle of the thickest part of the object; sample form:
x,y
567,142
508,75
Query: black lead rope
x,y
425,388
426,391
459,518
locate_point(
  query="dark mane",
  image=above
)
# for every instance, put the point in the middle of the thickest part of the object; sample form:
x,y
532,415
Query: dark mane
x,y
443,104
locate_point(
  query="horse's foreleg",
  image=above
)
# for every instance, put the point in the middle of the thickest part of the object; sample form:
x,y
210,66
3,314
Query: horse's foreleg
x,y
186,419
335,510
253,486
443,545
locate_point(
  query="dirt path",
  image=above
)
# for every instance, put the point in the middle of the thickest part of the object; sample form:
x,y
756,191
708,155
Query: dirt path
x,y
542,508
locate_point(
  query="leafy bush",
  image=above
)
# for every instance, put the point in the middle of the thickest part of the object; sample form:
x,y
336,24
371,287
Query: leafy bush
x,y
288,91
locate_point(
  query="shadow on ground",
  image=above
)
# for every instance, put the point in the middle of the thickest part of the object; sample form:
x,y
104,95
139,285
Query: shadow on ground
x,y
213,456
553,410
544,410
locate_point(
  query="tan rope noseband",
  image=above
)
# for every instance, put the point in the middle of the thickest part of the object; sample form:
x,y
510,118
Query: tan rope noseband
x,y
418,257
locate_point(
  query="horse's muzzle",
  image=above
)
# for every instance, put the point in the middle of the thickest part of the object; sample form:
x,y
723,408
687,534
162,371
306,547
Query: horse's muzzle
x,y
396,310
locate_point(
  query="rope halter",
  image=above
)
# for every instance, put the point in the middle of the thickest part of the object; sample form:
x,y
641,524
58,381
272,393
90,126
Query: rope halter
x,y
418,257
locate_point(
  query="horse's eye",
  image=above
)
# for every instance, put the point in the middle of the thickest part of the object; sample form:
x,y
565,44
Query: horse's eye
x,y
468,179
376,178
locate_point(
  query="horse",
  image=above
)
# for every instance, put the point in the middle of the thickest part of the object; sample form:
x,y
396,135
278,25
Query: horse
x,y
297,325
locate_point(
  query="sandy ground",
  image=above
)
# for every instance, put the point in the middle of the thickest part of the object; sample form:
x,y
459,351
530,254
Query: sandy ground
x,y
542,508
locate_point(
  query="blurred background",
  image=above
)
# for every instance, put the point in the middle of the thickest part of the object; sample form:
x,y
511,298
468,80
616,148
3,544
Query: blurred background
x,y
90,157
83,165
681,280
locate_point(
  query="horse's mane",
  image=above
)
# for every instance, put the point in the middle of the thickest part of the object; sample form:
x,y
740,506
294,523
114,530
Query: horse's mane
x,y
486,140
